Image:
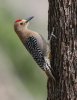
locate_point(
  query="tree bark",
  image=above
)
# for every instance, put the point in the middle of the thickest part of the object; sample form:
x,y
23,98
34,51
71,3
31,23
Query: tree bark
x,y
62,16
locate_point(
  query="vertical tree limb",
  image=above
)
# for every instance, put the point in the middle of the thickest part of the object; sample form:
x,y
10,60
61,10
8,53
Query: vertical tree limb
x,y
62,15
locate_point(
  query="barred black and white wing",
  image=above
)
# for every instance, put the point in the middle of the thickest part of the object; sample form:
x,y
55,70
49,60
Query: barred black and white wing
x,y
33,48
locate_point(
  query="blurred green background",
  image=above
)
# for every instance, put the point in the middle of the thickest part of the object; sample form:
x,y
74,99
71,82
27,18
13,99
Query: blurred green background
x,y
20,77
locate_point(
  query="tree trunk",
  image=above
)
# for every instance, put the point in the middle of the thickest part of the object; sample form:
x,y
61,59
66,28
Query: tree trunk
x,y
62,16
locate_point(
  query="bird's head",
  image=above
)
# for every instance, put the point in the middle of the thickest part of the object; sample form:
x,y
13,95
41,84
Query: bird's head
x,y
20,24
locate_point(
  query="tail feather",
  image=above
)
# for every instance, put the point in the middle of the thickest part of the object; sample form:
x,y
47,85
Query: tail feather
x,y
49,72
48,69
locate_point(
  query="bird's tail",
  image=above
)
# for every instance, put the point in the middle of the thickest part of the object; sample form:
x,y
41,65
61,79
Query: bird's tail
x,y
48,69
49,73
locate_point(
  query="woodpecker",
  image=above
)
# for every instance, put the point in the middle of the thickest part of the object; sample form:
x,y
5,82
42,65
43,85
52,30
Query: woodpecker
x,y
35,44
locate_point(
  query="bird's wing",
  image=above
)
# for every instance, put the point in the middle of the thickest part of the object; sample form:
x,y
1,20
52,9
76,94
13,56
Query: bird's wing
x,y
33,48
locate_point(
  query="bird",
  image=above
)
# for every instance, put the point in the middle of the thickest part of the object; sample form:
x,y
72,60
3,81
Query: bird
x,y
35,44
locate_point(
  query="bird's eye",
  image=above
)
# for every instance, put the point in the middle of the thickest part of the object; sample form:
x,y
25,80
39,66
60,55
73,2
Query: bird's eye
x,y
21,23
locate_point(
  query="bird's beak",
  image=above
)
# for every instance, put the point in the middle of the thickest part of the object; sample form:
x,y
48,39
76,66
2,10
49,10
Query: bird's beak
x,y
27,20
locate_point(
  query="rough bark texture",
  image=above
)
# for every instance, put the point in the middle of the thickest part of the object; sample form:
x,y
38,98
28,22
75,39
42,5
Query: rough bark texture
x,y
63,17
